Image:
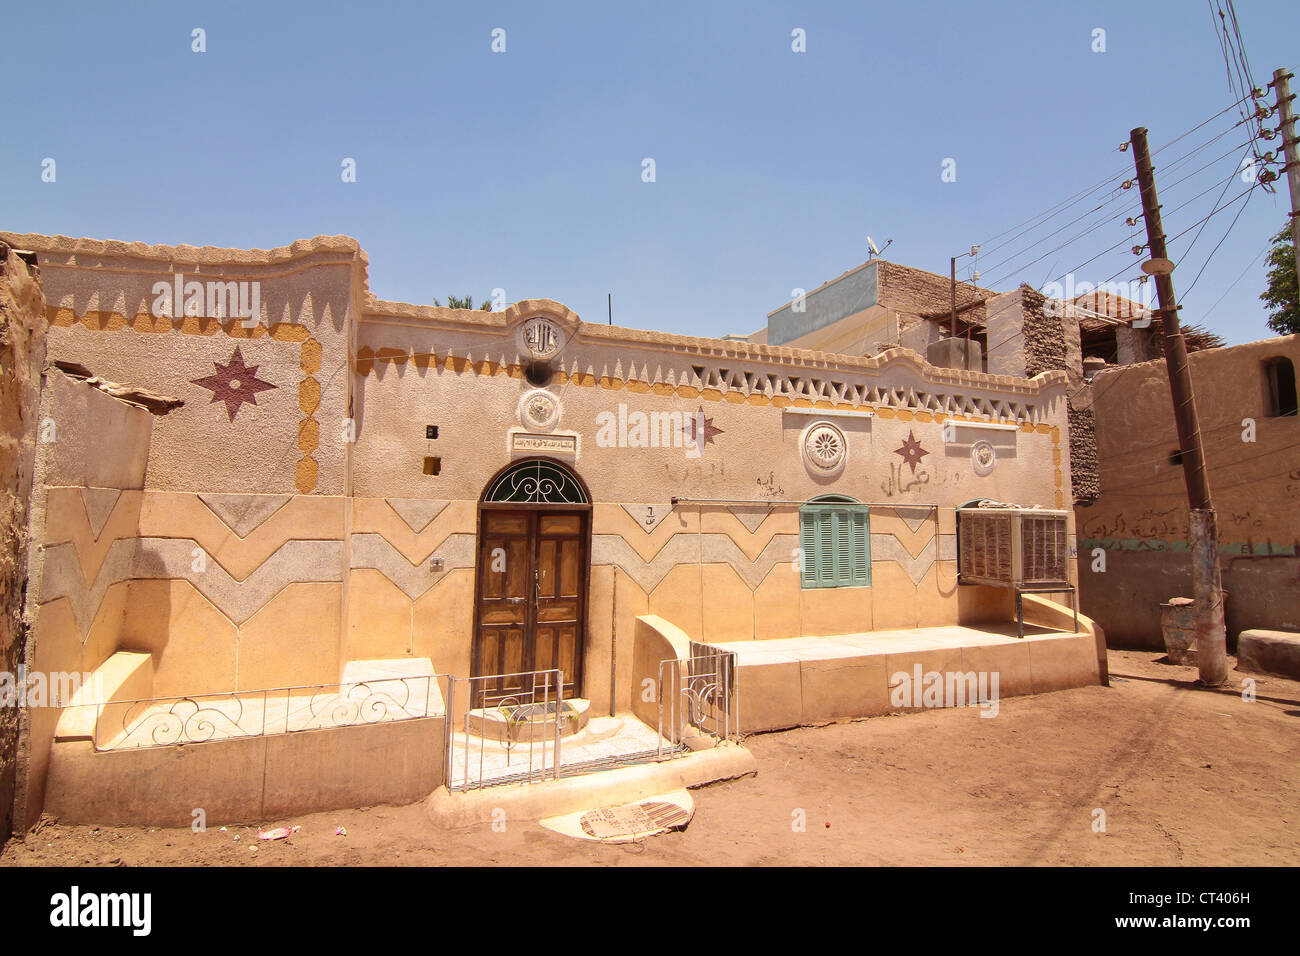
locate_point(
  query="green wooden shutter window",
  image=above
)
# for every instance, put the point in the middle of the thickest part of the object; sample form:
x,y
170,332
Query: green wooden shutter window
x,y
835,538
809,565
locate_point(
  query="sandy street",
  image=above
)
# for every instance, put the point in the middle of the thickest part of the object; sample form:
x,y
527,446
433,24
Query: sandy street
x,y
941,787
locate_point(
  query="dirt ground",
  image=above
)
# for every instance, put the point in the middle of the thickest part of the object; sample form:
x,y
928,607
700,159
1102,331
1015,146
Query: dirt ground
x,y
1185,776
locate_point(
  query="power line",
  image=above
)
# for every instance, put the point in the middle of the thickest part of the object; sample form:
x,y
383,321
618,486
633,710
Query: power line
x,y
1252,262
1074,199
1098,224
1226,109
1041,220
1123,173
1200,169
1068,201
1226,182
1097,394
1216,248
1061,229
1218,209
1220,487
1175,163
1241,43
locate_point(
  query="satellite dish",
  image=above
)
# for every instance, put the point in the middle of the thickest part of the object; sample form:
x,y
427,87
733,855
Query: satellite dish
x,y
874,250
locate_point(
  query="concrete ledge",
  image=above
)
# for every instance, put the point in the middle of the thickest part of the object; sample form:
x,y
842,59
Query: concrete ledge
x,y
769,689
396,762
792,682
125,676
847,686
495,723
533,801
1039,610
1269,652
156,787
656,640
246,779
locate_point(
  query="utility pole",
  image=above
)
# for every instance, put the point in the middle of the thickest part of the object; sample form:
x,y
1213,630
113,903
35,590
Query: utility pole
x,y
1286,123
952,322
1207,585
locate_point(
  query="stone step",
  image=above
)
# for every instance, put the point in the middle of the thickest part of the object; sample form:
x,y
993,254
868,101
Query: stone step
x,y
550,798
1269,652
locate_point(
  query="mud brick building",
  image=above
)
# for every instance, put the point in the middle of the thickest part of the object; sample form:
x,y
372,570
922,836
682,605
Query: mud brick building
x,y
346,541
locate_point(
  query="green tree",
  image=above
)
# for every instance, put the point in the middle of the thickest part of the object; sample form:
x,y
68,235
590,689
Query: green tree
x,y
1282,296
456,302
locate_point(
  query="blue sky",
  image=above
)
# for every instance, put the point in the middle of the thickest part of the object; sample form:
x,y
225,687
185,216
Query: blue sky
x,y
523,170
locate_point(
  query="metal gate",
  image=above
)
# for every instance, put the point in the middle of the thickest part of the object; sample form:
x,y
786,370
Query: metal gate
x,y
496,737
697,698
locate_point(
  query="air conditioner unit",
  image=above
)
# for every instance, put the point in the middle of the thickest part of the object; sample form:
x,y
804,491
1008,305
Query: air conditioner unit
x,y
1013,547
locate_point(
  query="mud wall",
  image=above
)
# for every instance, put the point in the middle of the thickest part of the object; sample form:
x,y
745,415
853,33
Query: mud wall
x,y
22,354
1139,524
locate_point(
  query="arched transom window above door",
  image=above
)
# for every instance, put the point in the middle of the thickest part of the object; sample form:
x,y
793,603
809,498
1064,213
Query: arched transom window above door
x,y
537,481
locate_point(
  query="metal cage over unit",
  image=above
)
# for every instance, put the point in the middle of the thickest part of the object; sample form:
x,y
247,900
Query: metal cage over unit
x,y
1013,547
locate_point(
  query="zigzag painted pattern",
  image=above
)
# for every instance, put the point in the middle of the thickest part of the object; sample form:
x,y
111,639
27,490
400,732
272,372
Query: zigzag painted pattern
x,y
414,579
253,546
175,558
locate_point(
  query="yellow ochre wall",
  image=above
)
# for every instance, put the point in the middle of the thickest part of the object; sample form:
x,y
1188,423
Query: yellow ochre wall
x,y
270,548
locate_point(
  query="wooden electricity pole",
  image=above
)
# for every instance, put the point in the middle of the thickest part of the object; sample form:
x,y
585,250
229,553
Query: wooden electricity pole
x,y
1207,587
1286,123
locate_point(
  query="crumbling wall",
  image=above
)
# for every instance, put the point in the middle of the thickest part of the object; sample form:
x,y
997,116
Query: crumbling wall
x,y
1052,340
1135,345
22,356
921,293
93,448
919,334
1006,340
1083,449
1044,334
1140,519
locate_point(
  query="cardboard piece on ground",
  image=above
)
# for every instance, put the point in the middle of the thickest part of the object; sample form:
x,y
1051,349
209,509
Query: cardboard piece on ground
x,y
628,822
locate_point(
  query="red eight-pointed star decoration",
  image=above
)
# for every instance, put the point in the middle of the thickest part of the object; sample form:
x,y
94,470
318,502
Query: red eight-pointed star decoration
x,y
707,429
911,451
234,383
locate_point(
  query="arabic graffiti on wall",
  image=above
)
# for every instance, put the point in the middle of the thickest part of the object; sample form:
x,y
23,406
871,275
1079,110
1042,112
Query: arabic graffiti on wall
x,y
1168,524
769,487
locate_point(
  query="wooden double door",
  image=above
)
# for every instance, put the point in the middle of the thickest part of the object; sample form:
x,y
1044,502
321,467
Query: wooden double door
x,y
531,599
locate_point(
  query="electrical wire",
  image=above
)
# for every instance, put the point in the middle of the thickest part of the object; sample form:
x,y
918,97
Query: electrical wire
x,y
1069,201
1214,212
1216,248
1100,223
1127,267
1042,218
1084,193
1234,464
1050,235
1254,261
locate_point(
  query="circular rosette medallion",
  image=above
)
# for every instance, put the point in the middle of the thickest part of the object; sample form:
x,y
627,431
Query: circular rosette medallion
x,y
824,448
983,457
539,410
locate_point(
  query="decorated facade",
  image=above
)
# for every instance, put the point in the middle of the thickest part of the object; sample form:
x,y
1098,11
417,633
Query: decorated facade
x,y
498,493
